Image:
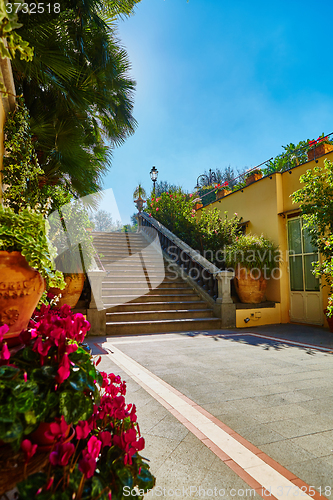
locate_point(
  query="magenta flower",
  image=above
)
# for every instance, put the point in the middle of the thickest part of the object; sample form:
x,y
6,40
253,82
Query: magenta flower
x,y
82,429
63,370
62,454
87,464
3,330
105,438
94,446
5,354
25,376
57,430
28,449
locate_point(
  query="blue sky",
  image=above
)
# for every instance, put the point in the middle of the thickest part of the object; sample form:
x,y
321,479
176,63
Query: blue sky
x,y
219,83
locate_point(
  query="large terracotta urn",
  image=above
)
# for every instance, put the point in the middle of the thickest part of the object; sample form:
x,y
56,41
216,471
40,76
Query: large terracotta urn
x,y
71,293
21,287
250,286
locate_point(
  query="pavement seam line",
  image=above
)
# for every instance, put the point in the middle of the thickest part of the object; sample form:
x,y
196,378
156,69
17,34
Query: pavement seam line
x,y
267,476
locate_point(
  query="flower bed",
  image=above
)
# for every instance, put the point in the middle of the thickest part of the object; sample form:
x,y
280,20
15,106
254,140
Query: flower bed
x,y
53,378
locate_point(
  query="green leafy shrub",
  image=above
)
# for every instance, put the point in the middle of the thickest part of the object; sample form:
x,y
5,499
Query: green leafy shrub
x,y
26,232
315,199
251,251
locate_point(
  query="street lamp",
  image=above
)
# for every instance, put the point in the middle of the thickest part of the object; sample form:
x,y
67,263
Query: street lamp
x,y
210,178
153,176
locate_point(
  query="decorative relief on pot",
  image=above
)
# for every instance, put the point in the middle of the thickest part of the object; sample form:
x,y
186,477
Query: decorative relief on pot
x,y
9,316
14,289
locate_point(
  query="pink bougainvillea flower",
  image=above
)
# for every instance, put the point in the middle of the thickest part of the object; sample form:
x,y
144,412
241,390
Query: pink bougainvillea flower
x,y
82,429
5,354
87,464
3,330
62,454
28,449
25,376
110,495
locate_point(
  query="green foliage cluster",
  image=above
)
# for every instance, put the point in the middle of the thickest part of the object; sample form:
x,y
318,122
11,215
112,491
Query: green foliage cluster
x,y
21,171
208,233
251,251
68,233
10,41
25,404
26,232
315,199
207,195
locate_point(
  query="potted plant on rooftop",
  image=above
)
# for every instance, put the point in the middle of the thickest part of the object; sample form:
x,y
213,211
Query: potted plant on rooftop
x,y
253,176
254,260
319,147
222,190
26,267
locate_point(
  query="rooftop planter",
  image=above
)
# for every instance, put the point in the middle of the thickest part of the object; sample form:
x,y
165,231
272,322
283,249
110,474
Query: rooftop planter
x,y
253,176
222,190
319,147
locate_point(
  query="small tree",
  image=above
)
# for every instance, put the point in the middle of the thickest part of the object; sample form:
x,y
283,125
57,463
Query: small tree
x,y
103,221
315,199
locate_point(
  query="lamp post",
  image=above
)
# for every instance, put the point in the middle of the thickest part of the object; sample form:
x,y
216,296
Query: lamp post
x,y
153,176
210,178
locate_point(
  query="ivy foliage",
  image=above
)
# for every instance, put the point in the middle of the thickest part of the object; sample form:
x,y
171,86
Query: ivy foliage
x,y
10,41
315,199
21,171
25,232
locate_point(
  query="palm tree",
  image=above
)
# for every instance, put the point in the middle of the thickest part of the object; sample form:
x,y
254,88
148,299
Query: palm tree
x,y
77,90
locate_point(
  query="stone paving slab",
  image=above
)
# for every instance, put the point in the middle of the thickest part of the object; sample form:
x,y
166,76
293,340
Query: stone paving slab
x,y
277,397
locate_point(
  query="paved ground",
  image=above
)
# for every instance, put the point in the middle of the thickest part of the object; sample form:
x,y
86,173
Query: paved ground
x,y
265,387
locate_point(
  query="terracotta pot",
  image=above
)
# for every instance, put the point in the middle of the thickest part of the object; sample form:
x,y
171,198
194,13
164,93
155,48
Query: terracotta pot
x,y
223,192
253,178
21,287
197,206
319,150
329,321
71,293
250,290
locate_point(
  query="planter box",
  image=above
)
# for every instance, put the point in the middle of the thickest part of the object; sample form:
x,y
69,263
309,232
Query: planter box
x,y
223,192
320,150
252,178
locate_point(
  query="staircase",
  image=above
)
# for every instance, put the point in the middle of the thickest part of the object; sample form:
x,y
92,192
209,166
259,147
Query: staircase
x,y
139,292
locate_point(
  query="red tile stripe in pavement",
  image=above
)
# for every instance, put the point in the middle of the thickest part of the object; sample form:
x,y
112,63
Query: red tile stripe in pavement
x,y
294,480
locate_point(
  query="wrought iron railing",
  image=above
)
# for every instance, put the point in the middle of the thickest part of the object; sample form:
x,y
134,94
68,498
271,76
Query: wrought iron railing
x,y
282,162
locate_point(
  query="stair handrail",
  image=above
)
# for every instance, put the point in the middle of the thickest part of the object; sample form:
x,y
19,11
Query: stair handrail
x,y
213,280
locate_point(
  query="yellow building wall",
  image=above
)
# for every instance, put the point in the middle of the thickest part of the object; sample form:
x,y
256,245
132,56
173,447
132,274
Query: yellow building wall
x,y
264,205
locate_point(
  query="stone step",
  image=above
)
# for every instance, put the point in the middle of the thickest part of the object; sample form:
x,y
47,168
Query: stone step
x,y
152,306
110,301
162,326
117,291
158,315
111,284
